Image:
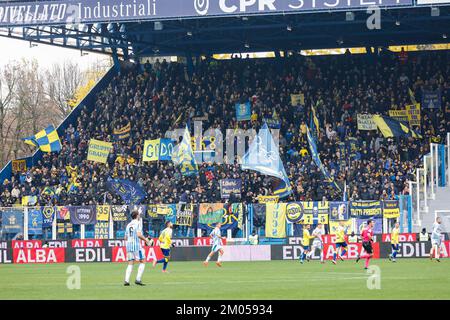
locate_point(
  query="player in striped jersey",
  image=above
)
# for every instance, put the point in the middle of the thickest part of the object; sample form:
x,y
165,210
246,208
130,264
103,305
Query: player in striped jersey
x,y
394,242
165,243
436,239
135,252
216,245
318,234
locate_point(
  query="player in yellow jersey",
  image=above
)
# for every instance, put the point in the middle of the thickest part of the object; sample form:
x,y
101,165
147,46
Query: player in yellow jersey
x,y
341,243
394,242
165,243
305,242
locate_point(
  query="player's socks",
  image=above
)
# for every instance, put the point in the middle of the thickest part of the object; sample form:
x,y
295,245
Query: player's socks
x,y
321,256
128,273
161,260
394,255
140,272
166,262
334,256
207,259
366,265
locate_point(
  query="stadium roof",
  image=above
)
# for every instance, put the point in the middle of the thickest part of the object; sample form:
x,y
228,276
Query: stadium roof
x,y
255,31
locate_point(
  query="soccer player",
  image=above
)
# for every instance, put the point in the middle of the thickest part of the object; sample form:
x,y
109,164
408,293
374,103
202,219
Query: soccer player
x,y
436,239
367,238
216,246
341,244
394,242
317,234
165,243
305,243
133,235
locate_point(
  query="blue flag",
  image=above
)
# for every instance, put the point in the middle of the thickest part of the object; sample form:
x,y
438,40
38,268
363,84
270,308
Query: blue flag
x,y
184,156
129,191
263,156
316,158
35,221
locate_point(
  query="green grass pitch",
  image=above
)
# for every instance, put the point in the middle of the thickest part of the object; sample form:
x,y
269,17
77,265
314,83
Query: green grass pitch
x,y
406,279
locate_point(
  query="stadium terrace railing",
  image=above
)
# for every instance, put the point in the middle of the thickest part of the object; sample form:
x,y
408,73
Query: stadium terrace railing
x,y
55,223
435,174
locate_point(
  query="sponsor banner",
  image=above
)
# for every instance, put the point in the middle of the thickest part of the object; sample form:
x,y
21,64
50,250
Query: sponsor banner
x,y
99,151
276,220
101,230
19,166
338,210
391,209
413,111
119,213
247,253
41,255
431,99
12,221
26,244
83,215
22,13
414,249
185,217
365,209
35,221
206,241
243,111
86,243
297,100
362,223
122,133
89,254
268,199
102,213
229,186
293,252
119,254
365,122
402,237
294,212
6,256
48,214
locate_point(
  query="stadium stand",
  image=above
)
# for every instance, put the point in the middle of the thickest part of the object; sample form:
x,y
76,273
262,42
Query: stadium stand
x,y
152,97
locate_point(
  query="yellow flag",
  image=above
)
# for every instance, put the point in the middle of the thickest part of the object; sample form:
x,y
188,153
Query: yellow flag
x,y
276,220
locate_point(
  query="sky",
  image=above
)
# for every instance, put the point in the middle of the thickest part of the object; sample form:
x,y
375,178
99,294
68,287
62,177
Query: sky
x,y
46,55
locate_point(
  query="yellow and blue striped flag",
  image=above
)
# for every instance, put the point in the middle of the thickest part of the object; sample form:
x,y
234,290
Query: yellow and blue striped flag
x,y
390,127
47,140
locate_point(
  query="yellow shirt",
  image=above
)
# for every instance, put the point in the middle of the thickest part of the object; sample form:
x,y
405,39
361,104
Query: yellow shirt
x,y
340,234
165,238
254,117
394,236
303,152
306,237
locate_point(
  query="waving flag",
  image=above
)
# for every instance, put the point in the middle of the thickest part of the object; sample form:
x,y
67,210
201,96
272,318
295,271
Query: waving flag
x,y
129,191
47,140
316,158
184,156
263,156
390,127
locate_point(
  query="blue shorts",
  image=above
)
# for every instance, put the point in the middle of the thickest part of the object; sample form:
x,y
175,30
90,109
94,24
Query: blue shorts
x,y
341,244
165,252
306,248
394,246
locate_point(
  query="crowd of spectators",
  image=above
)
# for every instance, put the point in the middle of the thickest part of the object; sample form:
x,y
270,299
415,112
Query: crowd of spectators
x,y
155,98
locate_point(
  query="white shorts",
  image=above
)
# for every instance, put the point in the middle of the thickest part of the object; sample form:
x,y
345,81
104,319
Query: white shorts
x,y
436,242
136,255
216,248
317,245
